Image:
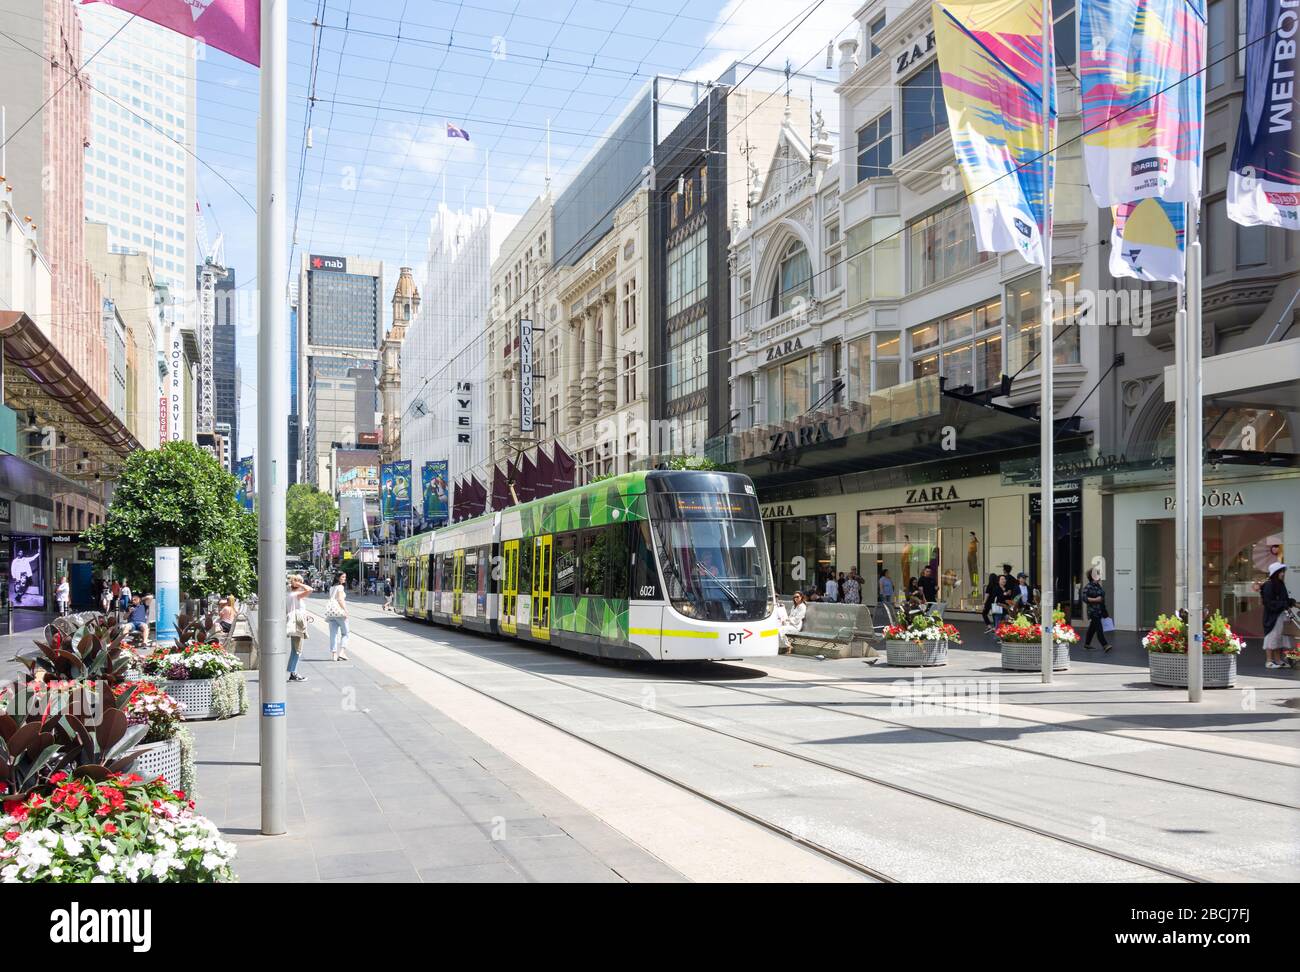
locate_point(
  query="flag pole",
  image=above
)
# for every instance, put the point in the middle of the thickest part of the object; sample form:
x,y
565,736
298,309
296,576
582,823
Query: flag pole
x,y
273,405
1191,445
1046,408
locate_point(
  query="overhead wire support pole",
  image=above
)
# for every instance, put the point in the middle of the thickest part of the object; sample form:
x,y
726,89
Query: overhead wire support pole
x,y
273,405
1046,409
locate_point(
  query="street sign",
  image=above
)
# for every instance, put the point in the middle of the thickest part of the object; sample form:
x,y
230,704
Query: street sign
x,y
525,376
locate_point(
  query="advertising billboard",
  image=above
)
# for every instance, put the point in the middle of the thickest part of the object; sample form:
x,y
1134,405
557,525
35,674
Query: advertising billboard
x,y
395,490
433,482
27,572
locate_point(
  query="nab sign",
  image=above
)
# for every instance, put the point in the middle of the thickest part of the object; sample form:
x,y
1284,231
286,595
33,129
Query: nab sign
x,y
335,264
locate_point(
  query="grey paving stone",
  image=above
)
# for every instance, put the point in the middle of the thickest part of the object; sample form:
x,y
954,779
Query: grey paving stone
x,y
496,873
360,864
565,870
404,876
448,847
541,848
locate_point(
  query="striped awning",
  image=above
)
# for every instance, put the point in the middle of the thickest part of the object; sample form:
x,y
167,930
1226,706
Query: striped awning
x,y
37,376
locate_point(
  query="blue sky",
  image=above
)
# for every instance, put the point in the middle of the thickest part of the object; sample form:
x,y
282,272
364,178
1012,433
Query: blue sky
x,y
390,74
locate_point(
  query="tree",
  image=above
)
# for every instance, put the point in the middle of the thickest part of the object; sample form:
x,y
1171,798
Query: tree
x,y
176,496
306,511
692,462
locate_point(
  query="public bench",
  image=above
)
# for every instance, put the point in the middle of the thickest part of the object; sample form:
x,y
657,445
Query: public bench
x,y
836,630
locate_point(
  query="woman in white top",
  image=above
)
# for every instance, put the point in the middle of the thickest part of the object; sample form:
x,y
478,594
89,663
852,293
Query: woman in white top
x,y
63,594
297,623
336,613
790,621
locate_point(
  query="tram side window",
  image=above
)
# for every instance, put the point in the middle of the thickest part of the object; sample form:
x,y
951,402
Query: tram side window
x,y
645,576
470,582
595,562
435,573
526,566
566,563
619,557
487,580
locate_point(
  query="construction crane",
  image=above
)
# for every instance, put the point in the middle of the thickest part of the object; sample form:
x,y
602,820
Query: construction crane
x,y
214,269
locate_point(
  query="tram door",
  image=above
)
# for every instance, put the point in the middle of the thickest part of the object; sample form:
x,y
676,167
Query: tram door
x,y
457,585
541,614
510,586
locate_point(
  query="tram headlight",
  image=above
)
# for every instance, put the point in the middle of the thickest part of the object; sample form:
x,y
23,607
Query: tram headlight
x,y
686,608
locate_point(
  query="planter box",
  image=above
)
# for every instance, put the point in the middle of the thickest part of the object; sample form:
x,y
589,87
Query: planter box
x,y
209,698
1170,668
1029,658
160,759
913,654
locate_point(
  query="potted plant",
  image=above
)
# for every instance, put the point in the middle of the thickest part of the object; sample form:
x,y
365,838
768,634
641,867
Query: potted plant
x,y
919,639
1021,642
1166,646
204,678
167,750
114,829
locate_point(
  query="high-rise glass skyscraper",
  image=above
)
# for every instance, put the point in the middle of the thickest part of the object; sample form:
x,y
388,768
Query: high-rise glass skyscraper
x,y
140,178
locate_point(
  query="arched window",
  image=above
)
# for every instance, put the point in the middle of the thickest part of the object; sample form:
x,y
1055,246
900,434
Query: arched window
x,y
793,279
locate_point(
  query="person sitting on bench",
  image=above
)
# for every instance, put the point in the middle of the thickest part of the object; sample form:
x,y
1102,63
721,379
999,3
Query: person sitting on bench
x,y
137,617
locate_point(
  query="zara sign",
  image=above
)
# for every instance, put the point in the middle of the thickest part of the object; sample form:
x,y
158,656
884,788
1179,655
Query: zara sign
x,y
919,50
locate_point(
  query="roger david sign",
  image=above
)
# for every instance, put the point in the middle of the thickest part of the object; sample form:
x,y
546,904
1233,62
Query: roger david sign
x,y
525,376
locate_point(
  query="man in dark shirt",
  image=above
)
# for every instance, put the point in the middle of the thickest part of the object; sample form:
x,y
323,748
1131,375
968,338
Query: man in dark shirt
x,y
929,586
138,616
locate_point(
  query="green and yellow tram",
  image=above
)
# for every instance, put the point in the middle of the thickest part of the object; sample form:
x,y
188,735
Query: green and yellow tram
x,y
661,565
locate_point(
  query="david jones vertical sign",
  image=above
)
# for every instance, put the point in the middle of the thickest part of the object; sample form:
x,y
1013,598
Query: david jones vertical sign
x,y
525,376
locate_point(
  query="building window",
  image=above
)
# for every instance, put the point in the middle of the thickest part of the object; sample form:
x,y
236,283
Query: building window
x,y
1065,32
688,271
833,256
964,348
1217,27
793,281
875,248
884,360
942,245
790,389
876,27
803,552
1071,180
629,304
924,114
688,349
1024,304
629,377
875,148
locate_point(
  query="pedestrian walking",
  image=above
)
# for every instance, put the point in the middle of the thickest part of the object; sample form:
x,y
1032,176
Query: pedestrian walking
x,y
124,599
928,585
990,600
1094,598
226,616
63,595
388,594
852,587
1005,598
832,588
1024,595
1277,602
336,613
886,587
296,624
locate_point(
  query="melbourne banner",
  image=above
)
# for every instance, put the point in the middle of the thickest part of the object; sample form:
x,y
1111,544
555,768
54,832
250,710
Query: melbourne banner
x,y
990,58
433,480
395,490
335,544
1146,240
1143,116
317,544
1264,184
246,490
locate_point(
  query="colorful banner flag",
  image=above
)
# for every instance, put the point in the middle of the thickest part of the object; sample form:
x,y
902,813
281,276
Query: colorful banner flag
x,y
233,26
1264,182
395,490
1146,240
1143,114
246,489
433,485
317,544
454,132
991,62
335,544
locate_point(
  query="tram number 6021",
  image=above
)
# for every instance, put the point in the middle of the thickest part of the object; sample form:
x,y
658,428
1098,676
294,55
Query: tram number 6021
x,y
648,590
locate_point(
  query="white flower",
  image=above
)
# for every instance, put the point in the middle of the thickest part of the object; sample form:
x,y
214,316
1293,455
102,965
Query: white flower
x,y
10,873
72,844
213,862
99,879
106,864
190,843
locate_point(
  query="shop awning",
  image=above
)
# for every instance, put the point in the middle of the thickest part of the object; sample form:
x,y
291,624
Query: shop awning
x,y
39,380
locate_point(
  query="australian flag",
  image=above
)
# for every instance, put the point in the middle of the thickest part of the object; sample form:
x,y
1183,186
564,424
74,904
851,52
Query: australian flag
x,y
454,132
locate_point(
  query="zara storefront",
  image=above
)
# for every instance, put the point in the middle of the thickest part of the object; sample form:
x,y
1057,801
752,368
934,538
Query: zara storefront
x,y
1248,517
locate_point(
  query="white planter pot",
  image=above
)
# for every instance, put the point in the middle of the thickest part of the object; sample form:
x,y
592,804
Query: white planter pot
x,y
196,695
1029,658
160,759
915,654
1170,668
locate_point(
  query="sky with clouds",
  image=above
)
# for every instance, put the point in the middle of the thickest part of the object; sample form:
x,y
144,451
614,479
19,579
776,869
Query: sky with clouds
x,y
388,75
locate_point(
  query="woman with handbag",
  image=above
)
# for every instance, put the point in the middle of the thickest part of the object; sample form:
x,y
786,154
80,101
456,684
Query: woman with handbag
x,y
1277,603
296,627
1094,596
336,613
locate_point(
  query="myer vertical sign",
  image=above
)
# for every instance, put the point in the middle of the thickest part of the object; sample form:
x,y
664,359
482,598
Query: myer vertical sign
x,y
525,376
464,412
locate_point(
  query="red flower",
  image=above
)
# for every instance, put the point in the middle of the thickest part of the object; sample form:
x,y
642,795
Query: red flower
x,y
110,828
58,777
11,835
16,809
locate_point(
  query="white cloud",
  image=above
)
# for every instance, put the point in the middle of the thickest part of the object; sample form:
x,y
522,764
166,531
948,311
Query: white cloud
x,y
748,29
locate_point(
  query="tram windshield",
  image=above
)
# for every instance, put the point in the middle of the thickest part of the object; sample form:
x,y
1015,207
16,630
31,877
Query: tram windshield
x,y
713,550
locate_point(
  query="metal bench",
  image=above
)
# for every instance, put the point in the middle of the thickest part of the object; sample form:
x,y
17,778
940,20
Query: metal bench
x,y
835,631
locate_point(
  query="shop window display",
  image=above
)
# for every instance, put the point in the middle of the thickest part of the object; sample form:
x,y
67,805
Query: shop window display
x,y
803,552
946,537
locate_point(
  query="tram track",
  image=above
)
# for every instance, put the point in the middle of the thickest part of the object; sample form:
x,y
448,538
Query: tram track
x,y
1173,873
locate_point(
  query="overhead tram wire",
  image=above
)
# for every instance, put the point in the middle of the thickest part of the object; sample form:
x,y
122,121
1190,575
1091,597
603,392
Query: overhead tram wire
x,y
557,261
321,7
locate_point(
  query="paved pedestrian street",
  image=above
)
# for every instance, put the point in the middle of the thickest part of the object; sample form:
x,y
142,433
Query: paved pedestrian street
x,y
440,755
